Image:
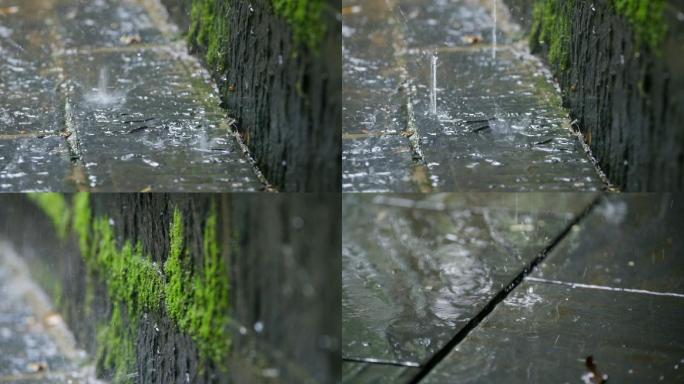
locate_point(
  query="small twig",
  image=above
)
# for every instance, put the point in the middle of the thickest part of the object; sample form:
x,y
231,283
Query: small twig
x,y
134,130
138,121
544,142
481,129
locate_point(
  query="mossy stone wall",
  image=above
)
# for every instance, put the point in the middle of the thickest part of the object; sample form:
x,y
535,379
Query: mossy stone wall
x,y
261,300
619,65
278,67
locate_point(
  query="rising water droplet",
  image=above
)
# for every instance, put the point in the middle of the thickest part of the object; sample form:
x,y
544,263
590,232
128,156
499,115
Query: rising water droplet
x,y
433,84
101,95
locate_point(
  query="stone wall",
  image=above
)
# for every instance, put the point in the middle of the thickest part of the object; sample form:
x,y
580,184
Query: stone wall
x,y
622,79
279,74
282,276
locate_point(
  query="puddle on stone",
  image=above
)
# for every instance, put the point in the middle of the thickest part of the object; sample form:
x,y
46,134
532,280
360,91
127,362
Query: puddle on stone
x,y
417,268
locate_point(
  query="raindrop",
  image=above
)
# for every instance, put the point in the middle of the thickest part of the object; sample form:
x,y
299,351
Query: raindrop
x,y
494,31
259,327
433,84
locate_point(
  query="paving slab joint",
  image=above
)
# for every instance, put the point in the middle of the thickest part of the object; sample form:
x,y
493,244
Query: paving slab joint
x,y
501,296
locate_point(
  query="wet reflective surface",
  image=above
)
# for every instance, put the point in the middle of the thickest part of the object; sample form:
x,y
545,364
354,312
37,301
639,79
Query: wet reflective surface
x,y
360,373
633,338
417,268
499,123
641,245
415,271
94,96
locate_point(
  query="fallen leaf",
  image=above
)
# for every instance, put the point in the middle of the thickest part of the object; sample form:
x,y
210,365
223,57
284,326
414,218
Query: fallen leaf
x,y
350,10
594,375
9,10
37,367
53,319
472,39
131,39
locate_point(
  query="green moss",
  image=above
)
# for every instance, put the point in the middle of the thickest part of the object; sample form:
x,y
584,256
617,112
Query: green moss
x,y
647,19
116,347
199,305
55,206
552,29
178,290
209,31
552,25
197,302
82,216
305,17
210,319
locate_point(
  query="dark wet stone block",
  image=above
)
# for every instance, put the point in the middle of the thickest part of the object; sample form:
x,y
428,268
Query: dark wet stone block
x,y
628,241
499,126
375,156
28,77
543,333
367,373
105,23
164,132
35,164
415,271
377,164
448,24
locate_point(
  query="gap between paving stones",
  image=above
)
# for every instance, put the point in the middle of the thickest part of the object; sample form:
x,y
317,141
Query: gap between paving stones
x,y
501,296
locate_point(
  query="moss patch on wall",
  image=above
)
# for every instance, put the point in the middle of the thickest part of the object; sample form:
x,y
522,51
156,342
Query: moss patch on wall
x,y
552,29
56,207
197,301
305,17
209,27
199,304
647,19
209,30
552,25
116,347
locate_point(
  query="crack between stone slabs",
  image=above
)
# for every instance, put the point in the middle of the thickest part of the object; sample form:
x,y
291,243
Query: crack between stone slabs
x,y
500,296
78,170
77,173
421,173
380,362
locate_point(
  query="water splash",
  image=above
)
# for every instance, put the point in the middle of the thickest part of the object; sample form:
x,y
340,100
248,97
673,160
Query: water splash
x,y
102,95
494,30
433,84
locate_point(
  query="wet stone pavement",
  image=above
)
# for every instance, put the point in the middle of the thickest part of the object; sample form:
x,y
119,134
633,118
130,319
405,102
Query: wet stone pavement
x,y
35,344
517,288
100,95
497,122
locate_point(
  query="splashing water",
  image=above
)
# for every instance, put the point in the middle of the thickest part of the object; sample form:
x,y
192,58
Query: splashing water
x,y
433,85
102,95
494,30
